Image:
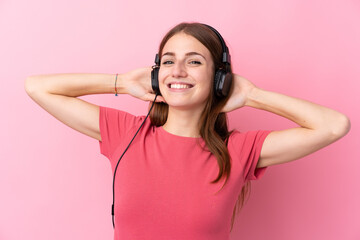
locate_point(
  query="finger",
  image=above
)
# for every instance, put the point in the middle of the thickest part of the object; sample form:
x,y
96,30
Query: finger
x,y
223,110
158,98
161,99
151,97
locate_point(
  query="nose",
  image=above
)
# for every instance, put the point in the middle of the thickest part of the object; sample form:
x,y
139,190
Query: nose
x,y
178,70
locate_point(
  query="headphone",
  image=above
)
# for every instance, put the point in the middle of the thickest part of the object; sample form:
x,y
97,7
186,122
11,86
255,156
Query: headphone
x,y
222,77
222,83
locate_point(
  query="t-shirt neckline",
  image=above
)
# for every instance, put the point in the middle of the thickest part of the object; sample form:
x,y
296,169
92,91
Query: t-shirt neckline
x,y
168,134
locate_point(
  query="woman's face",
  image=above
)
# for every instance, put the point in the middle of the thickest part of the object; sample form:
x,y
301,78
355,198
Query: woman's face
x,y
186,72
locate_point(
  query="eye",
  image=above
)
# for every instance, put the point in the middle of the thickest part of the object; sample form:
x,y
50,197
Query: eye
x,y
195,62
167,62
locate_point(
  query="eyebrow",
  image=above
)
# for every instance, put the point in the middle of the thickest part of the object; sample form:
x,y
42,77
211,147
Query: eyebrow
x,y
187,54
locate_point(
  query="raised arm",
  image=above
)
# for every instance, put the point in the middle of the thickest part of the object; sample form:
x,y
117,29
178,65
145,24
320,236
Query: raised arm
x,y
57,94
319,125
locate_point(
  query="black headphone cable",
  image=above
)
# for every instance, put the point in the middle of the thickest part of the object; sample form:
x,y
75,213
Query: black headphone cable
x,y
112,207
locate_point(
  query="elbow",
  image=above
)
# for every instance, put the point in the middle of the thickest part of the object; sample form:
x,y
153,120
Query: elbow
x,y
30,85
342,127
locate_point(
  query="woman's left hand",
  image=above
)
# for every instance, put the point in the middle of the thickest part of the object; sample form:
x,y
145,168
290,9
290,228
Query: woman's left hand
x,y
239,93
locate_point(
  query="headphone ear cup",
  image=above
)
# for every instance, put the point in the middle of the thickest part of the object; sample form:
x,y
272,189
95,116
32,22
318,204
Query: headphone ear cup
x,y
226,84
155,80
222,83
216,82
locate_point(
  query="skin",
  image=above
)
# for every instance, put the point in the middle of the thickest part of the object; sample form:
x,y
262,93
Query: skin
x,y
318,127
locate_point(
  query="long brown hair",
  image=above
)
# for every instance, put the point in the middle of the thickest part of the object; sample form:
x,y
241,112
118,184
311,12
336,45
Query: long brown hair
x,y
213,123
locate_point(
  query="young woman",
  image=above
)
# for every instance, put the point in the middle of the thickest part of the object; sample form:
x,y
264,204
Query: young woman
x,y
185,174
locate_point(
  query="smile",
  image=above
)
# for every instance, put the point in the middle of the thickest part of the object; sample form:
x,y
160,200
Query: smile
x,y
179,85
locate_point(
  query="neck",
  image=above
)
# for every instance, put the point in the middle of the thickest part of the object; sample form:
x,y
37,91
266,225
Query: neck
x,y
183,122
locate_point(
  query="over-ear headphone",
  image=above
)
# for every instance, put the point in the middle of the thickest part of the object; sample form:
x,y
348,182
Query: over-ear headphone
x,y
222,77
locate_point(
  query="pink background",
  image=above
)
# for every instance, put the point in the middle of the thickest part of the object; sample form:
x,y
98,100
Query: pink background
x,y
54,182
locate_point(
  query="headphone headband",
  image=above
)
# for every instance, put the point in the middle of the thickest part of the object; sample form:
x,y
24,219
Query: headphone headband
x,y
226,54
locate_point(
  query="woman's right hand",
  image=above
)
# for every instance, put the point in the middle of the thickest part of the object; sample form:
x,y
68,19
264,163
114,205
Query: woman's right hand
x,y
138,84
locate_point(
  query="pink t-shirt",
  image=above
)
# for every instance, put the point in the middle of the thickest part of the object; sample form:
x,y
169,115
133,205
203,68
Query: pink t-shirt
x,y
162,185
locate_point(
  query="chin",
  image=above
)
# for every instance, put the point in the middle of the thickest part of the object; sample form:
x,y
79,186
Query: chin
x,y
176,104
181,106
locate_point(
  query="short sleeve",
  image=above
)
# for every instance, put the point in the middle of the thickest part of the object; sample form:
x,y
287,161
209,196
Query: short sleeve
x,y
247,146
114,124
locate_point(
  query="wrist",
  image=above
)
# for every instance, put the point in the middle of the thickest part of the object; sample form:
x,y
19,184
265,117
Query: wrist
x,y
119,83
253,97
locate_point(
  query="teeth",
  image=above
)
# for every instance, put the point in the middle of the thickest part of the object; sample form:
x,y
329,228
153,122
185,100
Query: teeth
x,y
179,86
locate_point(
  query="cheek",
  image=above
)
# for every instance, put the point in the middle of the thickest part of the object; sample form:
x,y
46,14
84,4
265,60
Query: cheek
x,y
206,78
162,75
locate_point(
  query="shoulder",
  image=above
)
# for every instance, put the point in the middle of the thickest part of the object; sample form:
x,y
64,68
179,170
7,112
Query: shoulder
x,y
110,113
113,111
247,139
245,135
118,121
